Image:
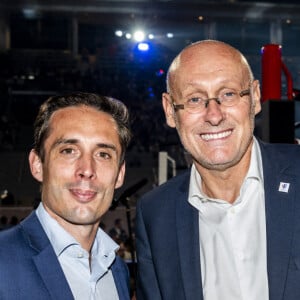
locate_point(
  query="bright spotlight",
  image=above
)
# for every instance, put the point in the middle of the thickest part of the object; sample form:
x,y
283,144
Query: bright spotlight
x,y
151,36
128,36
119,33
170,35
143,46
139,36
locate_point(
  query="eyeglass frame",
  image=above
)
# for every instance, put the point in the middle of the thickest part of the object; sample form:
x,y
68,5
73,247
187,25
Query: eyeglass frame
x,y
241,94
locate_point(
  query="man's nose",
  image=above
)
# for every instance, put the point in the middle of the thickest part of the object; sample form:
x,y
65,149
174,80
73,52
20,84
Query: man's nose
x,y
214,113
86,167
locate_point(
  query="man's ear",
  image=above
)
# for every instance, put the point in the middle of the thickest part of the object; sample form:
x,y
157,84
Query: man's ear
x,y
256,96
36,166
121,176
168,109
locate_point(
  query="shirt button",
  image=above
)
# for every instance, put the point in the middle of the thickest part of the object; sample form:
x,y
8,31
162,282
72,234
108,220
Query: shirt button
x,y
79,255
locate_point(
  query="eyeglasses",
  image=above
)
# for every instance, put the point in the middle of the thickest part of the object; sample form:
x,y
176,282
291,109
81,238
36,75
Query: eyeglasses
x,y
226,98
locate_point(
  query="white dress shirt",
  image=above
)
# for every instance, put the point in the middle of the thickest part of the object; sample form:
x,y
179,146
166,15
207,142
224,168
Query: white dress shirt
x,y
233,238
86,283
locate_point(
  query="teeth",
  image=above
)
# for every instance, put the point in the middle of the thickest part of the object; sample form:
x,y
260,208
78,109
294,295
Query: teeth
x,y
213,136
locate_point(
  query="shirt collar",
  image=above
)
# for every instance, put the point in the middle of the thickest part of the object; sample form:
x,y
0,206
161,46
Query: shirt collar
x,y
61,239
255,168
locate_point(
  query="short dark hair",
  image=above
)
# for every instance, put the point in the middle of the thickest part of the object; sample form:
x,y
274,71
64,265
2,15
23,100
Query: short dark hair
x,y
109,105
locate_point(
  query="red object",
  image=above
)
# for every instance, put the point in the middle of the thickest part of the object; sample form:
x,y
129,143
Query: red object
x,y
271,72
289,82
272,66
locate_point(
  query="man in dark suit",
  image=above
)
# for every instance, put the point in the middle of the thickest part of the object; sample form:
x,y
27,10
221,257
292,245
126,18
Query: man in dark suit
x,y
229,227
59,251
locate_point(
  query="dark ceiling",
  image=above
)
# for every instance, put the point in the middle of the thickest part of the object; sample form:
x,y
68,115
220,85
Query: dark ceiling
x,y
177,11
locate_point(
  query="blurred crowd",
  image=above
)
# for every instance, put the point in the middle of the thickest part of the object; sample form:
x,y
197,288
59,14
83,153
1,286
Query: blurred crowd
x,y
137,79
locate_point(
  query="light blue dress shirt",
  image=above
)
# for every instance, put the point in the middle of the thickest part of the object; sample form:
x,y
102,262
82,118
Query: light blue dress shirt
x,y
86,282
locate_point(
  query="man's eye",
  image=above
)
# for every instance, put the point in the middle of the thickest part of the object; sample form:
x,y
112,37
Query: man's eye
x,y
68,151
194,100
229,94
104,155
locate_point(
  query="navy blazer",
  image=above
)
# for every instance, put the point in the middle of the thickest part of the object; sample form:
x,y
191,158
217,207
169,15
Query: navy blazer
x,y
168,233
30,270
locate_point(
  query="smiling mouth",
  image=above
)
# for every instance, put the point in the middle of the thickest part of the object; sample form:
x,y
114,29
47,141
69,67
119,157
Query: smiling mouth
x,y
215,136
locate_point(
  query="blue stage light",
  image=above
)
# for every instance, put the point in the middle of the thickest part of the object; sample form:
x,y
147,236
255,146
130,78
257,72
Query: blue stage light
x,y
143,46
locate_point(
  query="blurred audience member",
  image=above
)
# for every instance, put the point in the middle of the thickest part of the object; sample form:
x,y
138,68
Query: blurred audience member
x,y
117,232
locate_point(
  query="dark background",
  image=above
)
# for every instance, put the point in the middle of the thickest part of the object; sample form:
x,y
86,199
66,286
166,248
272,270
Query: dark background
x,y
49,47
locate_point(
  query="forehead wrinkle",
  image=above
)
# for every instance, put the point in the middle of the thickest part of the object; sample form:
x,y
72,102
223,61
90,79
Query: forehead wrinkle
x,y
198,86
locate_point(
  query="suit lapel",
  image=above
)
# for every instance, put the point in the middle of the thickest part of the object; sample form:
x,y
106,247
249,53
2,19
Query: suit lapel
x,y
52,274
279,201
188,244
46,261
119,273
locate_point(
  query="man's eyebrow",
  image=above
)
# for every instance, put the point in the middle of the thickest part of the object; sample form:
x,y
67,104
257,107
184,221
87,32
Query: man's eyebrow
x,y
109,146
76,141
61,141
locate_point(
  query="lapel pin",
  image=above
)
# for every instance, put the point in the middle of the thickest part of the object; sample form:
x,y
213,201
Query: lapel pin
x,y
284,187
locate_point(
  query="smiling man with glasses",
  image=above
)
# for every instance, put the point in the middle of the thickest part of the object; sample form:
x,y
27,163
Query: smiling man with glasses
x,y
229,227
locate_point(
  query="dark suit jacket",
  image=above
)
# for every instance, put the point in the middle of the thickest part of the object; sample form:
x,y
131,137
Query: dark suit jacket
x,y
29,269
168,233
